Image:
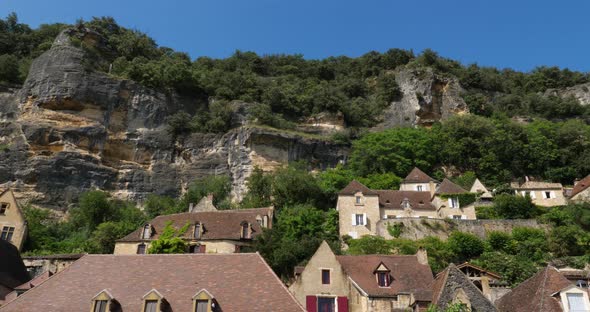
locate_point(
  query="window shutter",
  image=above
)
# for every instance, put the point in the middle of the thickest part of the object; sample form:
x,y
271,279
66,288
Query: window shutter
x,y
450,203
311,303
353,219
364,219
533,194
464,217
202,248
552,194
342,304
544,195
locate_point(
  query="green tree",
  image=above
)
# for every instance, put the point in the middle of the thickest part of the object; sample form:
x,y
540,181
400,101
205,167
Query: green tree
x,y
156,205
259,189
465,246
169,241
514,206
369,245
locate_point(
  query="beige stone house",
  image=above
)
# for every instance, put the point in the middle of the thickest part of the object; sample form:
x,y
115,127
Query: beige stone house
x,y
13,226
544,194
484,196
361,208
581,191
330,283
211,231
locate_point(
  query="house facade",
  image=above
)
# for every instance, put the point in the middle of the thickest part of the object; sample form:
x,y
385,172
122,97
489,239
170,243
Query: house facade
x,y
549,291
330,283
544,194
361,209
13,226
581,191
149,283
211,231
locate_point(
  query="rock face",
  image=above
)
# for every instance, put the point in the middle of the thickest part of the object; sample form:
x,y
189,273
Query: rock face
x,y
70,129
427,97
580,92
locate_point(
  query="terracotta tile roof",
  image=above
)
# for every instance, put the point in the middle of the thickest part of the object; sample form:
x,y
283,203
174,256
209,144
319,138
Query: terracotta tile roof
x,y
580,186
222,224
418,176
355,186
408,275
238,282
537,185
448,187
393,199
535,294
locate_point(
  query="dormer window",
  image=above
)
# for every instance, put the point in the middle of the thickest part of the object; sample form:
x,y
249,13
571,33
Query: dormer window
x,y
245,229
147,232
153,301
358,200
103,302
259,221
3,208
382,275
383,279
203,301
405,203
198,230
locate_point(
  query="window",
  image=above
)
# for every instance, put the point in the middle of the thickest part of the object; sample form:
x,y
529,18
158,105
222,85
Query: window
x,y
325,277
358,200
7,233
3,208
360,219
196,249
454,202
457,217
151,305
419,188
575,302
147,231
326,304
547,195
202,306
197,233
406,203
383,279
100,305
245,230
141,249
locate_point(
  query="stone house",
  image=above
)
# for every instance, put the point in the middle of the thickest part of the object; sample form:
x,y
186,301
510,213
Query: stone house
x,y
544,194
212,231
361,209
150,283
581,191
12,220
379,283
452,286
484,196
547,291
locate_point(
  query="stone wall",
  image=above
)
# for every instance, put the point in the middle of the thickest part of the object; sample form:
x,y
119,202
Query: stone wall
x,y
419,228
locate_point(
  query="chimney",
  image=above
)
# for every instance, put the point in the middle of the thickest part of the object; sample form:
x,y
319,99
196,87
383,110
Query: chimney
x,y
422,256
190,207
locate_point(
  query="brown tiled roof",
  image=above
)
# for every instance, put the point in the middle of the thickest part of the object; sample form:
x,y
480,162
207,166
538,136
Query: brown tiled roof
x,y
537,185
355,186
418,176
393,199
238,282
580,186
408,275
535,294
448,187
222,224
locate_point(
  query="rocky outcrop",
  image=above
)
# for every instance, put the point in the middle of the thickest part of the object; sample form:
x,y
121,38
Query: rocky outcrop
x,y
70,129
580,92
427,97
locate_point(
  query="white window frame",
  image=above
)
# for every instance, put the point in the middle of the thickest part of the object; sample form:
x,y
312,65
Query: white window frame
x,y
419,188
452,201
355,219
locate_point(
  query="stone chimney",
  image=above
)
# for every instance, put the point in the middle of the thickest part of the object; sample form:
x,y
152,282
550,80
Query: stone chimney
x,y
205,204
191,206
422,256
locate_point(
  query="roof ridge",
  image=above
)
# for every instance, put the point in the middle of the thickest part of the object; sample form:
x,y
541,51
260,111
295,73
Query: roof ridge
x,y
171,255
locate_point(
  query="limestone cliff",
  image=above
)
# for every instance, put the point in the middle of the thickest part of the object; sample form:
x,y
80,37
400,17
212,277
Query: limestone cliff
x,y
70,129
580,92
427,97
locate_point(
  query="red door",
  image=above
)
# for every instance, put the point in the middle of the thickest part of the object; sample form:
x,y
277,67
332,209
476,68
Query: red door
x,y
342,304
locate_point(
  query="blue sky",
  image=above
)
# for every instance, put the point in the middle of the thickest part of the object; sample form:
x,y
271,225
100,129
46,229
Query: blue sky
x,y
519,34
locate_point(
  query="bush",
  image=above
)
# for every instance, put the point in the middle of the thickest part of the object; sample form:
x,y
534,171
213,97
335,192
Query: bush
x,y
465,246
